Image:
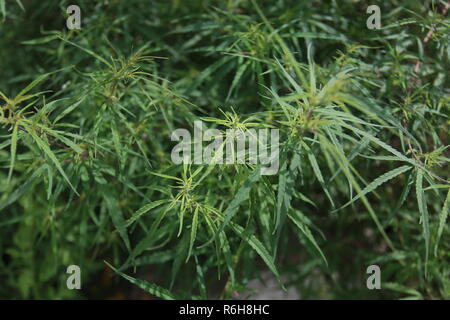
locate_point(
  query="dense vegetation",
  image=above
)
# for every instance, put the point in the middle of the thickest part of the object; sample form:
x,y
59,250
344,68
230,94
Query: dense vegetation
x,y
86,175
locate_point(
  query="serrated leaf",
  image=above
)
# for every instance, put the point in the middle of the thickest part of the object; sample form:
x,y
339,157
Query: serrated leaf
x,y
240,196
318,173
34,84
378,182
307,233
194,226
442,219
257,246
237,77
44,147
90,52
146,286
136,215
422,204
116,216
13,150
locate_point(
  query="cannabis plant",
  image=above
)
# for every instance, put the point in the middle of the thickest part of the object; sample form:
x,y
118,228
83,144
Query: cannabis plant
x,y
93,172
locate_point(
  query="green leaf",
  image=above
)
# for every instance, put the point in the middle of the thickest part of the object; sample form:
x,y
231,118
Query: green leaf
x,y
44,147
345,165
116,216
305,230
283,197
237,77
13,150
414,294
442,219
42,40
90,52
200,278
380,143
3,9
34,84
193,232
22,189
116,143
68,110
20,5
315,166
146,286
286,187
150,236
378,182
144,210
241,195
422,204
257,246
208,71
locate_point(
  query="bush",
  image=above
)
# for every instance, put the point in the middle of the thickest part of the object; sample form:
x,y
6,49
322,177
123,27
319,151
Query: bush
x,y
87,174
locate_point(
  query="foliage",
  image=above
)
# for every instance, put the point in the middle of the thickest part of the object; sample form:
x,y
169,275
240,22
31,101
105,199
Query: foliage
x,y
86,175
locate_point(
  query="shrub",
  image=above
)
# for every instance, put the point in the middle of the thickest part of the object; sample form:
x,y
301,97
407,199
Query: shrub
x,y
87,176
